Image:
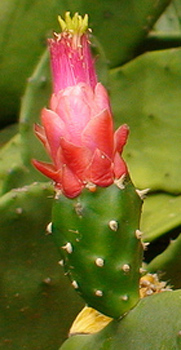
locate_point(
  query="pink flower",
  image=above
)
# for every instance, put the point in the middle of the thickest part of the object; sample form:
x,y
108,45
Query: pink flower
x,y
77,129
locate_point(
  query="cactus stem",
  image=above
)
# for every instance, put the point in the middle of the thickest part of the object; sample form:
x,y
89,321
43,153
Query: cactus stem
x,y
49,228
142,193
99,262
113,224
138,234
75,284
126,268
68,247
99,293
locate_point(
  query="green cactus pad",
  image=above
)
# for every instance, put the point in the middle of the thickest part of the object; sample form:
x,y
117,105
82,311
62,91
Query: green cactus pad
x,y
160,223
151,107
10,159
97,236
161,213
34,293
154,324
168,263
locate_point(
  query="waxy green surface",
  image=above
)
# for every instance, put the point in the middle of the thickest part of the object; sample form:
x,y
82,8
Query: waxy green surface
x,y
96,234
154,324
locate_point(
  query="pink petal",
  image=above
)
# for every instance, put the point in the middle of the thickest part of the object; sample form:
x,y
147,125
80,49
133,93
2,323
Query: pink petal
x,y
101,97
71,61
48,170
99,133
88,64
77,158
100,170
120,167
74,108
62,71
54,129
71,185
54,102
120,137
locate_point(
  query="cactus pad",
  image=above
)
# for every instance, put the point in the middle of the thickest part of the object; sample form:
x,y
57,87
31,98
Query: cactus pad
x,y
97,234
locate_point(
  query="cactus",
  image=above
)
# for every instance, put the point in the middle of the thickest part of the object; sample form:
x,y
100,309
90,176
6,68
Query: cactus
x,y
100,246
151,119
161,222
169,262
33,291
10,159
161,213
154,323
151,109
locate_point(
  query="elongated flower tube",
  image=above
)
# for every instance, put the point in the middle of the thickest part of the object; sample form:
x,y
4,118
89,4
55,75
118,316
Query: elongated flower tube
x,y
77,128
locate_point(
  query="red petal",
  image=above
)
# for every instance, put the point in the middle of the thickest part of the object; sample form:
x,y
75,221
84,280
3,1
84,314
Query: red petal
x,y
120,137
48,170
77,158
54,129
71,185
99,133
120,167
100,170
40,133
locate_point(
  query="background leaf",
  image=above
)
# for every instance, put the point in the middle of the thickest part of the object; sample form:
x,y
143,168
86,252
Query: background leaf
x,y
141,92
34,292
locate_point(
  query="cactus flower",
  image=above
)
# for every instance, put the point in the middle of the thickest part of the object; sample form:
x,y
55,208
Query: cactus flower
x,y
77,128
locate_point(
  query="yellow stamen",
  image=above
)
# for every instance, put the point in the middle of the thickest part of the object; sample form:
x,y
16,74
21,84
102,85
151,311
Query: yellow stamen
x,y
76,25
